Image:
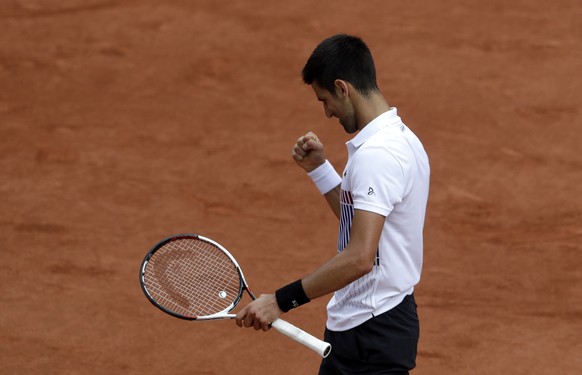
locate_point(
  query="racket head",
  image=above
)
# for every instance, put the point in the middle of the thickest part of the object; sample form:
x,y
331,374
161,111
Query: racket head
x,y
192,277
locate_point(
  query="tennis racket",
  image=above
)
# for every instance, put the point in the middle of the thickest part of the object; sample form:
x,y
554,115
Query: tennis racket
x,y
194,278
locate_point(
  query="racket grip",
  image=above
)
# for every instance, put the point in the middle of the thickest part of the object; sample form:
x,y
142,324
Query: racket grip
x,y
320,347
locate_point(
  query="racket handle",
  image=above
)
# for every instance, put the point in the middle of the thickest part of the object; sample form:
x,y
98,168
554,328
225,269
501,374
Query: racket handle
x,y
320,347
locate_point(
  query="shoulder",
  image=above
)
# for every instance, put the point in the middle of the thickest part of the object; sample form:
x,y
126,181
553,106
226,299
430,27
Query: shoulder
x,y
376,161
387,147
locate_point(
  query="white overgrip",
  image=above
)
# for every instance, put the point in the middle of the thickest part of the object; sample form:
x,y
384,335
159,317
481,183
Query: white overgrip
x,y
320,347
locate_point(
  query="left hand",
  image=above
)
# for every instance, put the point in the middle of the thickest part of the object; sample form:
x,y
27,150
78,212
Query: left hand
x,y
308,152
260,313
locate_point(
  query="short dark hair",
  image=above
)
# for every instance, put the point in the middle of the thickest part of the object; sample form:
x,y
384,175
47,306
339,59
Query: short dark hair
x,y
344,57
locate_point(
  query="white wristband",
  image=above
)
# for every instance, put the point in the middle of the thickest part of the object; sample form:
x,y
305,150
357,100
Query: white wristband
x,y
325,177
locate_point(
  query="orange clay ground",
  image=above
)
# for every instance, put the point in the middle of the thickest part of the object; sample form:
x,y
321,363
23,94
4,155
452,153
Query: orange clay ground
x,y
122,122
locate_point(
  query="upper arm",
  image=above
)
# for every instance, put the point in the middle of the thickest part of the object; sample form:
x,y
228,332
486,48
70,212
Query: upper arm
x,y
378,181
365,236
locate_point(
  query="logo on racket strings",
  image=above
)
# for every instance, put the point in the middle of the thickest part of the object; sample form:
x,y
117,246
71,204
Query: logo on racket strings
x,y
222,294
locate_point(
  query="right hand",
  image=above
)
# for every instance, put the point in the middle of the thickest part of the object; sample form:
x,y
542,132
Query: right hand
x,y
259,313
308,152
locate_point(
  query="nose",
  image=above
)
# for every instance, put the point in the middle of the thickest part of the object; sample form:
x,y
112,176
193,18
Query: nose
x,y
328,113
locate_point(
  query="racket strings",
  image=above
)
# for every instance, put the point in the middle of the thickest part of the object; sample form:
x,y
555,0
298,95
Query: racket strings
x,y
192,278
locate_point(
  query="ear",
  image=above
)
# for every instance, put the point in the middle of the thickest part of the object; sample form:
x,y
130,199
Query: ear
x,y
341,87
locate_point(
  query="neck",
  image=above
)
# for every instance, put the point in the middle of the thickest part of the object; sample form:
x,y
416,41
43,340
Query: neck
x,y
370,107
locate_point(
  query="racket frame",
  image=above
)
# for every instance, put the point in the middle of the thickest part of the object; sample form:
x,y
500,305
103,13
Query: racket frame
x,y
218,315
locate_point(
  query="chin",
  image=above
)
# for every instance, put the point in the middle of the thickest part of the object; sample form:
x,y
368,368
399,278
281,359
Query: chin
x,y
349,128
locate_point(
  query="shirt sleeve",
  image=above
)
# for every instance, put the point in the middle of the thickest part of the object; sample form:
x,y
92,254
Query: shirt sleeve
x,y
377,180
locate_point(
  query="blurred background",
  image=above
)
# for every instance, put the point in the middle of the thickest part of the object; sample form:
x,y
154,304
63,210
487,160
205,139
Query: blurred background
x,y
123,122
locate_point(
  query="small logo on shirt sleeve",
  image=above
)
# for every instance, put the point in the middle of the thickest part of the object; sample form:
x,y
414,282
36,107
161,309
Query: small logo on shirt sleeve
x,y
371,191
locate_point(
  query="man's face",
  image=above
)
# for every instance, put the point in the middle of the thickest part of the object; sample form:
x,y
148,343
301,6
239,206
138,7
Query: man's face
x,y
338,106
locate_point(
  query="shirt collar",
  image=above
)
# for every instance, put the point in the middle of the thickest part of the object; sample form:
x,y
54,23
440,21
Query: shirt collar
x,y
385,119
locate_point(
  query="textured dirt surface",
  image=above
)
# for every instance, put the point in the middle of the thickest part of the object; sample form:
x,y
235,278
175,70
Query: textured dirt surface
x,y
122,122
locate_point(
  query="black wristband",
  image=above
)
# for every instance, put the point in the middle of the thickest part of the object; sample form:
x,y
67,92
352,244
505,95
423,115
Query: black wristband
x,y
291,296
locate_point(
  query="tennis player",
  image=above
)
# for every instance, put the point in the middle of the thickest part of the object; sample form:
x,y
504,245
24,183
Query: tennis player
x,y
380,201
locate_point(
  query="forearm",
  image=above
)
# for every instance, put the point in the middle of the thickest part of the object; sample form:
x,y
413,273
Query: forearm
x,y
328,182
338,272
333,200
355,260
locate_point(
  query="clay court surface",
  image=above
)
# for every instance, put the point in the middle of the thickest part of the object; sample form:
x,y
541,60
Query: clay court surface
x,y
123,122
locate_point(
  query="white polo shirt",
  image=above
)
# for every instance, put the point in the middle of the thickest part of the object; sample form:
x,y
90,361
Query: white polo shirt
x,y
387,173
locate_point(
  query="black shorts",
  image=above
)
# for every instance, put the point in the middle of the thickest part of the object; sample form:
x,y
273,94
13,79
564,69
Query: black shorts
x,y
385,344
